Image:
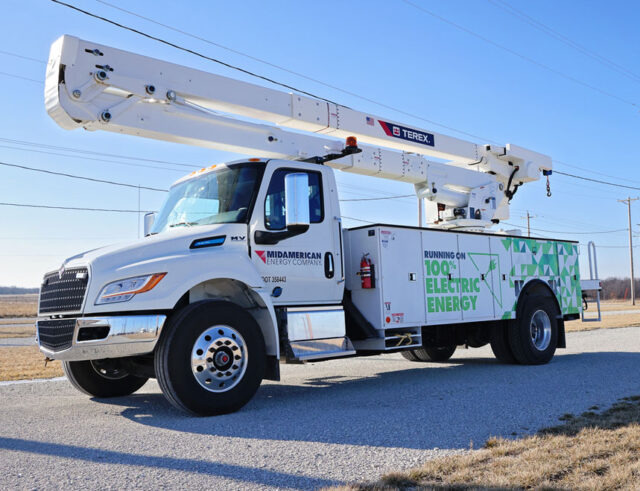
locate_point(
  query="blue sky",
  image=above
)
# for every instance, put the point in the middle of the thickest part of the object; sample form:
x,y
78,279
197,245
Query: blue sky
x,y
387,51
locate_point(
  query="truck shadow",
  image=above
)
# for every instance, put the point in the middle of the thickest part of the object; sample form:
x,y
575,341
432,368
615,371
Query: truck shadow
x,y
420,407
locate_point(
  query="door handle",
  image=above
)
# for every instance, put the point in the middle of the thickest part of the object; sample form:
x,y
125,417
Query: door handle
x,y
329,269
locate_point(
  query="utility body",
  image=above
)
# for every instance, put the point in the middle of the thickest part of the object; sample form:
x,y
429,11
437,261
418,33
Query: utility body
x,y
247,264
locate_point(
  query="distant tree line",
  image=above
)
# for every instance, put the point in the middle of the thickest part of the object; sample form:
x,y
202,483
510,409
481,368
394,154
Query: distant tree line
x,y
15,290
618,288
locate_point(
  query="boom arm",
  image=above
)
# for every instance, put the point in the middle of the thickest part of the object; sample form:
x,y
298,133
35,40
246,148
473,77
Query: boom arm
x,y
103,88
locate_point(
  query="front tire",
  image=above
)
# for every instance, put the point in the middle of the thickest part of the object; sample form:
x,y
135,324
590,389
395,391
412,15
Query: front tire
x,y
534,337
102,378
211,358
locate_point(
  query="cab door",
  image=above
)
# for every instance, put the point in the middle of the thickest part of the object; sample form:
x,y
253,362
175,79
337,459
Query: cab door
x,y
305,268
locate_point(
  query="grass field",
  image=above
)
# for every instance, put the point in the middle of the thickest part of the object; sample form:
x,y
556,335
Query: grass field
x,y
26,362
596,450
18,305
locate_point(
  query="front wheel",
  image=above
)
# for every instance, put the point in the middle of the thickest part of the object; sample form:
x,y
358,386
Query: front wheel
x,y
102,378
534,337
211,358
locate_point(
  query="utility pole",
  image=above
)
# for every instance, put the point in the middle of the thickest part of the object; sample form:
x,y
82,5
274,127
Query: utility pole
x,y
628,202
529,217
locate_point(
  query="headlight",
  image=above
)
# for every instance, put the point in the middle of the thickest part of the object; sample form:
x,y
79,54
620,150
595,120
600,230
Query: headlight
x,y
124,290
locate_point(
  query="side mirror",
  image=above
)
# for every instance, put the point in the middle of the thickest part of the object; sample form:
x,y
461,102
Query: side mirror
x,y
296,192
149,219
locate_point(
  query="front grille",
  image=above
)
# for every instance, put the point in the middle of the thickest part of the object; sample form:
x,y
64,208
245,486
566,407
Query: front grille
x,y
63,293
56,334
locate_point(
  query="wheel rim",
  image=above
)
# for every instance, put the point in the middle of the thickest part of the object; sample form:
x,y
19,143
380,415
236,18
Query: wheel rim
x,y
108,370
219,358
540,330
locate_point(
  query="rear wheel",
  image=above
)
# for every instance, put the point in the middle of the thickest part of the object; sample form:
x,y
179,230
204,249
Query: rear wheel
x,y
430,354
500,342
102,378
211,358
534,337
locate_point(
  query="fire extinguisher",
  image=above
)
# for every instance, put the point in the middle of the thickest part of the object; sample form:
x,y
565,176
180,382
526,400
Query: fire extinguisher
x,y
367,276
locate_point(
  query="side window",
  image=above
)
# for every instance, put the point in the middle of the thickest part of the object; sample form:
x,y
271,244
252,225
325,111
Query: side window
x,y
274,205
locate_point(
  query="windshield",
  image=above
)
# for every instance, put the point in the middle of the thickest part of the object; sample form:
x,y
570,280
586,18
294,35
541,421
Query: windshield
x,y
221,196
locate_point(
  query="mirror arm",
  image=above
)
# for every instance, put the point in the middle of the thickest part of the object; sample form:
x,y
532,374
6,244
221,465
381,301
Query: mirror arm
x,y
265,237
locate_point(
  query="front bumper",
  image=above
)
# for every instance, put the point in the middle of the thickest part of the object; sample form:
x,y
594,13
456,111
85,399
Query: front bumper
x,y
127,335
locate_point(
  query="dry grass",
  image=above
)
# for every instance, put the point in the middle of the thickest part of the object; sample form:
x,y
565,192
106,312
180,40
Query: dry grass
x,y
607,322
590,451
18,305
609,305
18,331
26,362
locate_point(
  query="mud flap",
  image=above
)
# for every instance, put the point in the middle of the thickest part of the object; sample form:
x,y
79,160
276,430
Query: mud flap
x,y
562,340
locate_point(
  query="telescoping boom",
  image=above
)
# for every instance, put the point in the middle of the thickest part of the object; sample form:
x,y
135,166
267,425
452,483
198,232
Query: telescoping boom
x,y
98,87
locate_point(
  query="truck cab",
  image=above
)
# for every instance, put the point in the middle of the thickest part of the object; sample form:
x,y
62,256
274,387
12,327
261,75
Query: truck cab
x,y
260,236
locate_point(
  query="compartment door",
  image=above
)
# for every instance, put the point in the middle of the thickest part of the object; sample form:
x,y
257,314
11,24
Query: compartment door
x,y
478,266
504,287
401,277
441,271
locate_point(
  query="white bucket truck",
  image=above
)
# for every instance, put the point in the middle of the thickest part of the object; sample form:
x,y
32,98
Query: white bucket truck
x,y
247,263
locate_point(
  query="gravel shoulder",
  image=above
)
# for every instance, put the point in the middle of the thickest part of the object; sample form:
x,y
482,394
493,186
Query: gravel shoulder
x,y
324,424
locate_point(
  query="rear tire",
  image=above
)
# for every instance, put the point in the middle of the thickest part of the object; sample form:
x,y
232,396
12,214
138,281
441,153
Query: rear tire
x,y
210,358
102,378
500,342
430,354
534,337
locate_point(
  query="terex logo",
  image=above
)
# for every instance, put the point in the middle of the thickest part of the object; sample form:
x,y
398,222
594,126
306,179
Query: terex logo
x,y
290,258
408,134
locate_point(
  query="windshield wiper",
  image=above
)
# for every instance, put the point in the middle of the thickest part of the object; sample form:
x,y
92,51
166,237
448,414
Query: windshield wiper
x,y
186,224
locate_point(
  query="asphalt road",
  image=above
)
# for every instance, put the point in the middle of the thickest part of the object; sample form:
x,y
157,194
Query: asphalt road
x,y
324,424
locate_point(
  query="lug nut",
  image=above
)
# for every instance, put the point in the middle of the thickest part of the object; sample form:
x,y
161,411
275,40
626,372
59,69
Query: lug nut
x,y
106,116
150,89
171,95
101,75
76,93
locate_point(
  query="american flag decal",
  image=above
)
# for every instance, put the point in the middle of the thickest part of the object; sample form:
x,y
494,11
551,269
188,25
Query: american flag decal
x,y
370,121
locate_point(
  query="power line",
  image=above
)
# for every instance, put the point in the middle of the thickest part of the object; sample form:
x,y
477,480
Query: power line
x,y
93,159
21,77
81,177
385,197
564,39
519,55
597,180
16,55
92,152
556,161
196,53
357,219
568,233
75,208
187,50
298,74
